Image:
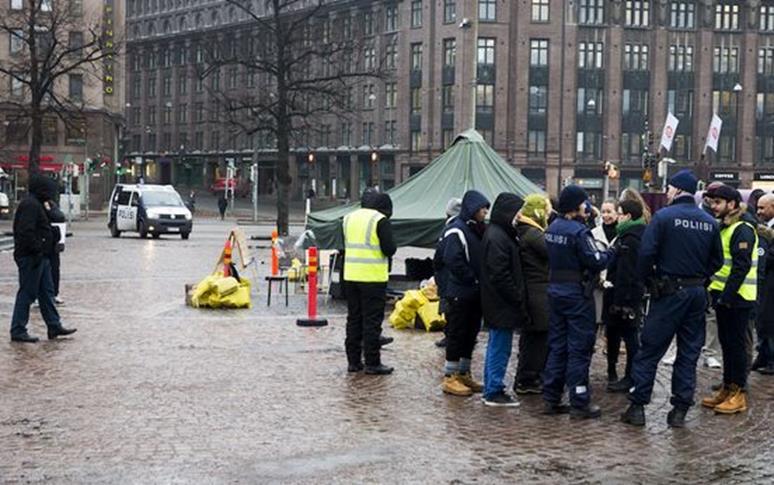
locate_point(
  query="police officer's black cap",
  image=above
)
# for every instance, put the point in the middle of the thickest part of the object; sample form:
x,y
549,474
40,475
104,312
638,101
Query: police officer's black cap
x,y
726,192
571,198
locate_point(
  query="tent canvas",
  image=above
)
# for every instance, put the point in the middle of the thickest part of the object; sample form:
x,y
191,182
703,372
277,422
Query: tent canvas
x,y
419,203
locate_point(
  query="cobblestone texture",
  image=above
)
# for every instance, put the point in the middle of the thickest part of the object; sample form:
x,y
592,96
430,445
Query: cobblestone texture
x,y
150,391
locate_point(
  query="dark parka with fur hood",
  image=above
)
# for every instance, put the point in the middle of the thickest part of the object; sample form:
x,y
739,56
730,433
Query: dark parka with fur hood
x,y
503,294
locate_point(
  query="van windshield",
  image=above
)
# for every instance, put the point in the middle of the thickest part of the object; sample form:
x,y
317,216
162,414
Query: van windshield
x,y
161,199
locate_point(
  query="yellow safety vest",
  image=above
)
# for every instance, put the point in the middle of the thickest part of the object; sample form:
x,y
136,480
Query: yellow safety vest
x,y
749,288
364,261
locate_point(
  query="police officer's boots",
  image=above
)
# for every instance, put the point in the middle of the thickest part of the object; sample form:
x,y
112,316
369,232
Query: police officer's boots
x,y
720,396
735,403
590,411
634,415
676,417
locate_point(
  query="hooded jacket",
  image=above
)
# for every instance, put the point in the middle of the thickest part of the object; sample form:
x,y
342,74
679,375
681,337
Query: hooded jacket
x,y
534,261
32,232
503,294
628,289
462,250
382,203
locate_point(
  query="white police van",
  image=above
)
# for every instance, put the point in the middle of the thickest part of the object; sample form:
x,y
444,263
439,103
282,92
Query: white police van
x,y
148,209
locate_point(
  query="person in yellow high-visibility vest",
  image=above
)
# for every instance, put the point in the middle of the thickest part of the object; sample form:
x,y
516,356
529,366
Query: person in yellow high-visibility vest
x,y
368,245
734,291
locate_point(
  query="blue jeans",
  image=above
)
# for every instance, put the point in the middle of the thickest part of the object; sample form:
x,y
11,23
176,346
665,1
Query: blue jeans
x,y
681,315
35,282
498,352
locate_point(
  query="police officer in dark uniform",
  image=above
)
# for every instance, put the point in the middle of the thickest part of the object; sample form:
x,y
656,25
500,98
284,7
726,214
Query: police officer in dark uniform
x,y
680,251
574,264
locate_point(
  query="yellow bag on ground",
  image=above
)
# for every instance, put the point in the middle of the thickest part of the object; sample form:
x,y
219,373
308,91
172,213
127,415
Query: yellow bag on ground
x,y
431,317
296,272
238,299
203,289
226,286
414,299
402,317
430,291
206,295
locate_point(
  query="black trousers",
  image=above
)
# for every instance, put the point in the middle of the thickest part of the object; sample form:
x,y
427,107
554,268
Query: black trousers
x,y
733,324
55,265
615,332
365,312
463,324
533,351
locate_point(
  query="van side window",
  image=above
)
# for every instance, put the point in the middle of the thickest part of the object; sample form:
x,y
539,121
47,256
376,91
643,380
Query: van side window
x,y
123,197
135,199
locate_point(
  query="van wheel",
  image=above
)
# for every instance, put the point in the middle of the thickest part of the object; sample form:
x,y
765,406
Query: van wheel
x,y
143,230
156,235
114,232
184,235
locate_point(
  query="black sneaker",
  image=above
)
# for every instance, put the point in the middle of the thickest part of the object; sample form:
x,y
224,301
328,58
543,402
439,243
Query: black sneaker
x,y
355,367
588,412
634,415
551,409
620,386
523,388
60,332
385,340
676,417
24,338
441,343
502,400
378,370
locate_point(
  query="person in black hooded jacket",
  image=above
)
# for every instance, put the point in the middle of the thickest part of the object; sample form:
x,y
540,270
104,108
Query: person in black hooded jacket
x,y
34,243
503,295
623,312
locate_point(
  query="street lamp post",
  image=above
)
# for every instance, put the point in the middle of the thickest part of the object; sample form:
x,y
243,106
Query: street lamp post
x,y
737,98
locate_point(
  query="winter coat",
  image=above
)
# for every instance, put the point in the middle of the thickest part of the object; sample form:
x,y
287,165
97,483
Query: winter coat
x,y
627,291
503,293
600,296
766,286
32,232
462,251
441,271
534,261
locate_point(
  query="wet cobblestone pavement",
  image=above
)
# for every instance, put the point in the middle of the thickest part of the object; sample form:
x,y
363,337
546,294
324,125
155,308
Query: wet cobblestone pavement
x,y
150,391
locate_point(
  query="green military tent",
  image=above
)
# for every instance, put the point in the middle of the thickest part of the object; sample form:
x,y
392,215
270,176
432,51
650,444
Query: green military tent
x,y
419,203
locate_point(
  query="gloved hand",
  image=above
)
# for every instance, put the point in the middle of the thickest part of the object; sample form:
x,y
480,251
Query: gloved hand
x,y
607,284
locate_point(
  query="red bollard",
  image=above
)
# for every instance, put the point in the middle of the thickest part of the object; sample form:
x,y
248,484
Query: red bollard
x,y
312,320
274,255
227,258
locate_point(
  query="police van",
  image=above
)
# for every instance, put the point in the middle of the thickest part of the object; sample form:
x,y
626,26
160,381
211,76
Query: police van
x,y
148,209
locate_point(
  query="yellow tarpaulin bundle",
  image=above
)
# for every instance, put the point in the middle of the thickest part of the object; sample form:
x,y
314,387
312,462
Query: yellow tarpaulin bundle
x,y
431,317
402,316
216,291
413,299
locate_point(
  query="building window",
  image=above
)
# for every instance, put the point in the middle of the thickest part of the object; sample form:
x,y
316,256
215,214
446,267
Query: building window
x,y
369,58
16,132
726,60
636,57
681,147
136,87
631,146
637,13
536,145
416,14
369,96
485,97
767,18
538,100
681,58
449,11
487,10
182,113
680,103
449,52
390,95
682,15
76,87
724,103
416,101
231,78
391,18
591,12
589,101
215,140
50,132
346,27
635,102
182,84
17,4
199,140
415,141
151,115
538,52
75,132
486,51
391,53
447,98
167,85
766,60
346,134
589,144
390,128
764,107
540,10
134,116
726,148
199,84
167,118
368,23
215,80
16,41
447,137
726,17
590,55
416,57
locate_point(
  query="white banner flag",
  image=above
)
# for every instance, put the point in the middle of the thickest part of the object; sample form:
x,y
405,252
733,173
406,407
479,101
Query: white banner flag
x,y
668,134
713,134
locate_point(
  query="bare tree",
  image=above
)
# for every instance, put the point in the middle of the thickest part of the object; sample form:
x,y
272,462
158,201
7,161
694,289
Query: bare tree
x,y
308,72
49,41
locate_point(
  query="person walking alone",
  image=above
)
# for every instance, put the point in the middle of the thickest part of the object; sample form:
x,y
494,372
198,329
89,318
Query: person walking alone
x,y
222,205
462,257
503,295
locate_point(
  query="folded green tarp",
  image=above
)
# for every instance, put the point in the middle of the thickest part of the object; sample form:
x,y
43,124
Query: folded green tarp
x,y
419,203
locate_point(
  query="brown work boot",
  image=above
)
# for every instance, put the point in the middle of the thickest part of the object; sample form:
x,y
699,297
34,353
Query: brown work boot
x,y
454,386
735,403
471,383
717,398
